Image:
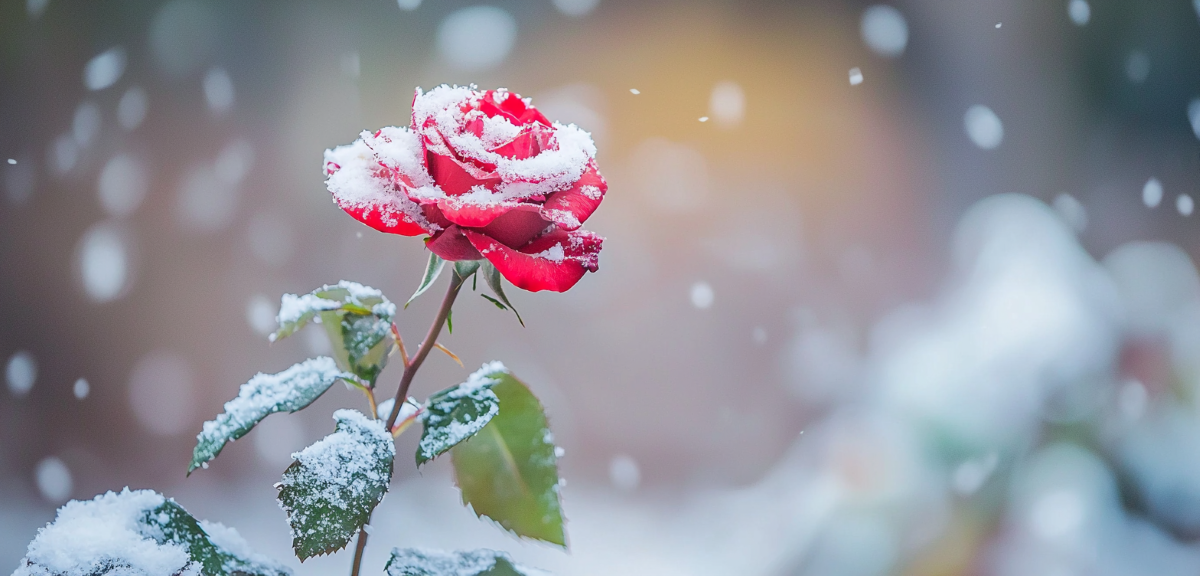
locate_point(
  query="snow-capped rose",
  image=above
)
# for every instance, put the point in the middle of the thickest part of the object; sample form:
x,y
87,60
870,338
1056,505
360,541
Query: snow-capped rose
x,y
486,176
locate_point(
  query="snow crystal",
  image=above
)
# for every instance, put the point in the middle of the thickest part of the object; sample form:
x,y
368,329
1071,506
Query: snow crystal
x,y
12,161
576,8
497,129
727,103
1080,12
1184,204
260,314
122,185
624,472
983,127
53,479
86,124
884,30
477,37
702,295
998,25
131,109
1137,66
704,118
104,262
21,372
88,536
1193,112
554,254
104,69
634,91
218,90
408,4
423,562
856,76
1152,193
81,388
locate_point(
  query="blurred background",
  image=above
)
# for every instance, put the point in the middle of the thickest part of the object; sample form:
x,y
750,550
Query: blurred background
x,y
904,288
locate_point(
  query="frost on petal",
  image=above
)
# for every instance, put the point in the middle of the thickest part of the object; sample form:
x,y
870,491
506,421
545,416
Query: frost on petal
x,y
372,186
555,261
570,208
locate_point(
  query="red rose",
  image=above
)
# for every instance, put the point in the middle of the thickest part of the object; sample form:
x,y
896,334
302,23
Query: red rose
x,y
486,176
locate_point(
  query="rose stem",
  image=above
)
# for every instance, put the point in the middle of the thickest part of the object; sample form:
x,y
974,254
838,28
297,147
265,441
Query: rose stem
x,y
410,370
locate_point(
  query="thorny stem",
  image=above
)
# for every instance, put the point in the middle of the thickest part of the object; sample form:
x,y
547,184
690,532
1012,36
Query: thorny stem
x,y
358,550
430,339
410,370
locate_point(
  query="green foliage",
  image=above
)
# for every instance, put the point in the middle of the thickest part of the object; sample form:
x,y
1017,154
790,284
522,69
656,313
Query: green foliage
x,y
332,487
455,414
494,281
508,471
291,390
432,270
357,319
174,525
415,562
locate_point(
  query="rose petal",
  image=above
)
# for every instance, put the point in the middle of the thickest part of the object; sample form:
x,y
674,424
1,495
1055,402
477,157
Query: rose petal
x,y
516,227
528,144
473,215
453,177
570,208
384,219
555,262
451,245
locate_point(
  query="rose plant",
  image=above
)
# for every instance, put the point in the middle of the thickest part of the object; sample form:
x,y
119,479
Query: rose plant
x,y
500,192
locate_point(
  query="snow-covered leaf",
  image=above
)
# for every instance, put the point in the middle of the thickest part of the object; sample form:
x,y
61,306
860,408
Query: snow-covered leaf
x,y
357,319
332,487
493,278
482,562
139,533
432,270
508,471
458,412
291,390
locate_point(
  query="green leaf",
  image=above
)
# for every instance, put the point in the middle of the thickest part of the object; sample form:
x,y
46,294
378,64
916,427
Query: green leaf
x,y
358,321
291,390
494,281
432,270
332,487
178,527
494,301
417,562
508,471
457,413
450,320
140,533
296,311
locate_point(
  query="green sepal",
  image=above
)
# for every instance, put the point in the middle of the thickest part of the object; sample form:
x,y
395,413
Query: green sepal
x,y
494,281
432,269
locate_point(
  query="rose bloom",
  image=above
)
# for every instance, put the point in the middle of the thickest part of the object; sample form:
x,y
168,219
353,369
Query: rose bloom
x,y
485,175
